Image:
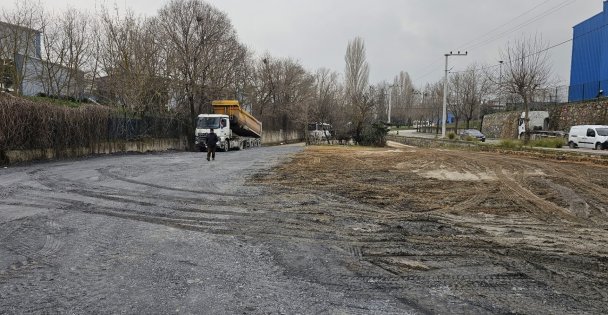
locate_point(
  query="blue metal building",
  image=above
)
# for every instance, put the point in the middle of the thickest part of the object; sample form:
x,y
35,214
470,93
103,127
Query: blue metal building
x,y
589,67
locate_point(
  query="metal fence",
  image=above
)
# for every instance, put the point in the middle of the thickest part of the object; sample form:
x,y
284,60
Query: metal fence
x,y
547,97
588,91
145,127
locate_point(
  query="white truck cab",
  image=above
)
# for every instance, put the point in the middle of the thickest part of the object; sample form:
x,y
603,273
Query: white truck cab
x,y
221,127
588,136
539,120
319,131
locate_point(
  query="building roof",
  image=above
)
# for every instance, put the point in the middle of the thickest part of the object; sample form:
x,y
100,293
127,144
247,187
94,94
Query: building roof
x,y
19,27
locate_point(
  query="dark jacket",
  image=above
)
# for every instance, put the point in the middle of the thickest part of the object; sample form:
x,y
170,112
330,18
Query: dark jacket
x,y
212,140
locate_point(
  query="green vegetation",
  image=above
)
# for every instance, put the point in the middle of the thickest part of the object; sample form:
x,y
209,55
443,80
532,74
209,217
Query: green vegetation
x,y
511,144
543,143
374,135
471,138
549,143
451,136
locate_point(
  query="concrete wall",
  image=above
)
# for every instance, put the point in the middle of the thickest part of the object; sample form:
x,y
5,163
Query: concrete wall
x,y
280,136
145,145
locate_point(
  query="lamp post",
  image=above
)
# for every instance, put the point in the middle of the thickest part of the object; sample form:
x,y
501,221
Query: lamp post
x,y
500,86
445,91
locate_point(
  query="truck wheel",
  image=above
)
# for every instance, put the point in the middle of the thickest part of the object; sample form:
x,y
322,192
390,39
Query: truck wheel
x,y
571,145
599,146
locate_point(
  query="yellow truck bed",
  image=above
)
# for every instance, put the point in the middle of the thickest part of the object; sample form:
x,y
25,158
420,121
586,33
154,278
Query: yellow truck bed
x,y
242,122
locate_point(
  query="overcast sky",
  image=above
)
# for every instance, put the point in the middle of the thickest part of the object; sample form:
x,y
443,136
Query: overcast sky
x,y
408,35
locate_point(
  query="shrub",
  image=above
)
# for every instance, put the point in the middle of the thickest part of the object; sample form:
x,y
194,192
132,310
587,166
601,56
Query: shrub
x,y
451,136
470,138
549,142
510,144
374,135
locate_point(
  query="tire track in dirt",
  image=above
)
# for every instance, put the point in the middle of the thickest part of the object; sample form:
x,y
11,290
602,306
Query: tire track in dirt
x,y
511,176
577,179
542,205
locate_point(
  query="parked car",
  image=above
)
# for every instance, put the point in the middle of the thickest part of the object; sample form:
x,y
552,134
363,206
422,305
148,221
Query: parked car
x,y
588,136
472,133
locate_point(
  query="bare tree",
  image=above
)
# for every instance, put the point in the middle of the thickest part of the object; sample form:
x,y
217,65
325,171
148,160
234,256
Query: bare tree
x,y
75,26
327,94
403,98
434,104
132,61
457,96
527,68
293,88
326,97
66,41
203,53
357,78
467,91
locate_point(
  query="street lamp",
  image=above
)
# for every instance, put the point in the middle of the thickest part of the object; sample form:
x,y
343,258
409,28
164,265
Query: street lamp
x,y
445,90
500,86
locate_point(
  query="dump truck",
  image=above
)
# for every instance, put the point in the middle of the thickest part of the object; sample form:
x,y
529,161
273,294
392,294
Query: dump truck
x,y
235,127
539,126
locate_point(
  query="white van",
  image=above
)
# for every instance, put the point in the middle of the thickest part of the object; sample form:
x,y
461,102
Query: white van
x,y
588,136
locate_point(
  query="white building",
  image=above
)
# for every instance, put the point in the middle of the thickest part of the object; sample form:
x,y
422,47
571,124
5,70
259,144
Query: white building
x,y
20,50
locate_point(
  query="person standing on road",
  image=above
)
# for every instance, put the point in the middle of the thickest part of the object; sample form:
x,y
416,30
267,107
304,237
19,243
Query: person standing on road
x,y
212,140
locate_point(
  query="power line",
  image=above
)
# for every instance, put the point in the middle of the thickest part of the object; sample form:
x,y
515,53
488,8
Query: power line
x,y
482,42
504,24
524,24
542,50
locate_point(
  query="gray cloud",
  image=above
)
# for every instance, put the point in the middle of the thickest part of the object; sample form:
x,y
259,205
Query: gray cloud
x,y
409,35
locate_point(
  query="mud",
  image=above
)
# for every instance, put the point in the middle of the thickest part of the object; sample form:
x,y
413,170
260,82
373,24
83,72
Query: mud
x,y
460,232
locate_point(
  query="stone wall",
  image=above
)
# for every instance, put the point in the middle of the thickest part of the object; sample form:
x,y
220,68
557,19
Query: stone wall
x,y
500,125
561,118
587,113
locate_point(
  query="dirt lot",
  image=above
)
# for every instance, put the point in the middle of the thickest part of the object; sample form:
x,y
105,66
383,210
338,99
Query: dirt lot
x,y
455,231
305,230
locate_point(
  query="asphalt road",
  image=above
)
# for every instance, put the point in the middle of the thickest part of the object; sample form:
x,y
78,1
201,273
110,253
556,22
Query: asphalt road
x,y
164,233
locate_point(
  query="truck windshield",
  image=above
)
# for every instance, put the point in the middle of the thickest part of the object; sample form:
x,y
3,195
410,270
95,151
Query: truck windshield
x,y
602,131
208,123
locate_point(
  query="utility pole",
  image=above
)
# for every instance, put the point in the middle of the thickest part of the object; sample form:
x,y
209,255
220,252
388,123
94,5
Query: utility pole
x,y
390,96
445,91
